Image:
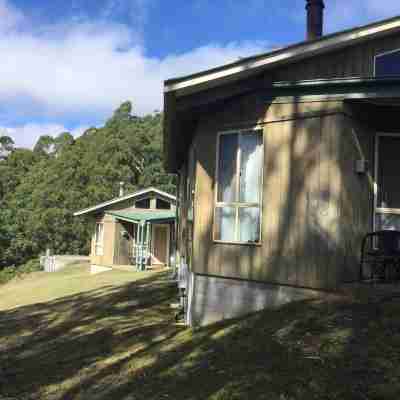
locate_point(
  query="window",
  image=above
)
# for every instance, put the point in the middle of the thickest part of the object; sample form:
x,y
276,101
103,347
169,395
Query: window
x,y
387,195
388,64
239,186
144,203
99,234
162,204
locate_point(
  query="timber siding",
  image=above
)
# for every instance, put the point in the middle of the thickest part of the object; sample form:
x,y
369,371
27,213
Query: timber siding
x,y
309,178
354,61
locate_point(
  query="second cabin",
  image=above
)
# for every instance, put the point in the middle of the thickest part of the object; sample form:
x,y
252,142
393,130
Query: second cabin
x,y
137,229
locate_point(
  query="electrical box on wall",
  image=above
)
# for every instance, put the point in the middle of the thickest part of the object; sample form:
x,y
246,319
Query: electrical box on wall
x,y
361,166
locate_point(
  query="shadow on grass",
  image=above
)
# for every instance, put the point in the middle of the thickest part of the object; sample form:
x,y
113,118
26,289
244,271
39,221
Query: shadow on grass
x,y
121,343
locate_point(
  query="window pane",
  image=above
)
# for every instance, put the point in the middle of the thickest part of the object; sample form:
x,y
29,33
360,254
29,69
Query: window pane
x,y
99,233
388,175
162,204
225,223
250,167
228,145
387,222
144,203
249,224
388,64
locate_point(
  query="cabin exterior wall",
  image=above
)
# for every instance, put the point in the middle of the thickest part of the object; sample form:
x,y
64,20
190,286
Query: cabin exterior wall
x,y
315,208
300,212
109,238
353,61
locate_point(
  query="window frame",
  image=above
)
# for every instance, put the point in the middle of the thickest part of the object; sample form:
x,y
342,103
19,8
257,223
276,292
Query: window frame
x,y
99,244
237,205
384,54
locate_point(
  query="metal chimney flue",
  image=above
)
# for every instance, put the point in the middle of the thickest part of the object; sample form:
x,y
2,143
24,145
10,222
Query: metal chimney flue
x,y
121,189
315,18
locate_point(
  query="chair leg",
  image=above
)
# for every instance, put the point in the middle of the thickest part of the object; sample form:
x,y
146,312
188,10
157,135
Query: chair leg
x,y
372,270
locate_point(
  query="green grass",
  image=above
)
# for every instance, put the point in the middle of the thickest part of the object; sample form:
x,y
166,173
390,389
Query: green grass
x,y
70,335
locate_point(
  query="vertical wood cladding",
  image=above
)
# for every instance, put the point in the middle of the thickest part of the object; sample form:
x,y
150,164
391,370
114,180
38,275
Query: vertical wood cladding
x,y
353,61
301,196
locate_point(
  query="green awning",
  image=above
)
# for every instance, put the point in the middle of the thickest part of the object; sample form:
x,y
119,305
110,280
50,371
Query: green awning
x,y
143,216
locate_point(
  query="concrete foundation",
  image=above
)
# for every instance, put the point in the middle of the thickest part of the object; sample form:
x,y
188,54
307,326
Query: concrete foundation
x,y
213,299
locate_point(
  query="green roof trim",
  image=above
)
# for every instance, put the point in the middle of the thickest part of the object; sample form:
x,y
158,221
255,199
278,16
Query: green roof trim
x,y
145,216
346,87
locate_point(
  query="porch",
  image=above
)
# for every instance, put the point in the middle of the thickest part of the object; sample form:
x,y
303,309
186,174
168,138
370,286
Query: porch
x,y
374,193
144,239
372,292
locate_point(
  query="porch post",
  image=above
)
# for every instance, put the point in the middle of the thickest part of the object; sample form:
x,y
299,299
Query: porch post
x,y
138,246
148,230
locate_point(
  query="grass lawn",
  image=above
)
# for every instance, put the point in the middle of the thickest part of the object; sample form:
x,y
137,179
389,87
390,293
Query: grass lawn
x,y
72,335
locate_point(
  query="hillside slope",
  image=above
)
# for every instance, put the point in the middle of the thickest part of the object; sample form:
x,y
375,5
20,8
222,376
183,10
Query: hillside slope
x,y
112,336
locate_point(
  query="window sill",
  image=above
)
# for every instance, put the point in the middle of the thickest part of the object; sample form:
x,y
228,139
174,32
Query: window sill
x,y
257,244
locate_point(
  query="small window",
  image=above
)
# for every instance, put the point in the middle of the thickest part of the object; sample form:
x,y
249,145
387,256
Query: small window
x,y
239,186
387,64
99,235
144,203
162,204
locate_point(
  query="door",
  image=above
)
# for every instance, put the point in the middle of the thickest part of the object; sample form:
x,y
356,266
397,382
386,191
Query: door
x,y
387,182
160,244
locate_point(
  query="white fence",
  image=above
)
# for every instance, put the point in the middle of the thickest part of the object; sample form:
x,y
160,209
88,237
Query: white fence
x,y
57,263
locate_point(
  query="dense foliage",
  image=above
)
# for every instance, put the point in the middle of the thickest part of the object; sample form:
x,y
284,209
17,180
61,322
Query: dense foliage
x,y
41,188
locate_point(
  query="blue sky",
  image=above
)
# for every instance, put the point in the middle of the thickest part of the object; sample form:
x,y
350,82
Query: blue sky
x,y
66,64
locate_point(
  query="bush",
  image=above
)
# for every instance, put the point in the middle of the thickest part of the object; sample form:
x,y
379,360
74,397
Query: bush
x,y
9,273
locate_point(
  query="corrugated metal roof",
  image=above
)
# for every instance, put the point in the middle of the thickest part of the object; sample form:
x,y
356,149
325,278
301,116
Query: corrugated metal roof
x,y
147,216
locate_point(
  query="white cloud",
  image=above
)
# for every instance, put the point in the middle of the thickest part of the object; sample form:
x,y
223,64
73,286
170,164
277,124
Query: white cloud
x,y
26,135
92,67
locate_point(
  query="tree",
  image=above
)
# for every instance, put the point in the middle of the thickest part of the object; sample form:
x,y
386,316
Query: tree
x,y
6,146
62,141
45,145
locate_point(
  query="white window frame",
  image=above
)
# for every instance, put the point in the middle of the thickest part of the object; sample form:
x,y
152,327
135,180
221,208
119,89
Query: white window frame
x,y
237,205
381,210
99,241
384,54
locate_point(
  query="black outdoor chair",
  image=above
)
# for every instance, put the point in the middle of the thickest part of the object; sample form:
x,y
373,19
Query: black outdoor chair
x,y
380,250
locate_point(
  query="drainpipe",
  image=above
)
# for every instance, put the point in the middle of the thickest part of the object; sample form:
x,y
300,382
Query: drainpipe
x,y
121,189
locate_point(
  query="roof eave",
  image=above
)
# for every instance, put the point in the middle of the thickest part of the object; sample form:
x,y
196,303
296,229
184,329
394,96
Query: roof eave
x,y
117,200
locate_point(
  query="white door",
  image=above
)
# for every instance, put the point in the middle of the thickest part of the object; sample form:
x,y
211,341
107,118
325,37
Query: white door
x,y
160,244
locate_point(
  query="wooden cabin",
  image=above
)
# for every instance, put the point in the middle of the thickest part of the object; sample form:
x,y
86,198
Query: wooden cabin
x,y
137,229
285,161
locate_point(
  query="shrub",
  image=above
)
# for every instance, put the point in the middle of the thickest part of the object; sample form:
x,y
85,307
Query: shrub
x,y
9,273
